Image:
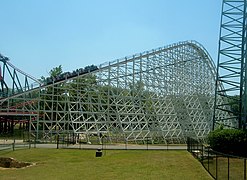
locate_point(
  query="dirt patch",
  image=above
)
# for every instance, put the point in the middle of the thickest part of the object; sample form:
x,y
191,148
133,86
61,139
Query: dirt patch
x,y
6,162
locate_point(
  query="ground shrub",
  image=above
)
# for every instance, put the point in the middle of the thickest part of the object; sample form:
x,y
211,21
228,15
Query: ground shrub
x,y
229,141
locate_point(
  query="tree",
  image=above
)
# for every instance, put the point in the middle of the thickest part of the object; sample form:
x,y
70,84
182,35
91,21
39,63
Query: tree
x,y
56,71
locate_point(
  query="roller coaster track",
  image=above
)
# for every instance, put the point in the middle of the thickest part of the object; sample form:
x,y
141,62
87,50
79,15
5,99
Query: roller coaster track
x,y
14,80
22,72
106,65
165,94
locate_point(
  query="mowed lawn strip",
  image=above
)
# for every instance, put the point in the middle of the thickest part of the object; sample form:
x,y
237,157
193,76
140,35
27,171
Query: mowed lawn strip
x,y
116,164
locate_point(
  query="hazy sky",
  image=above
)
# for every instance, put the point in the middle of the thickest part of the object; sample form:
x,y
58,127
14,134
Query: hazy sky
x,y
38,35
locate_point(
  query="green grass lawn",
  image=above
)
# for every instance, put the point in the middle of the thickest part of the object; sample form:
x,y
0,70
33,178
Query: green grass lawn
x,y
116,164
236,167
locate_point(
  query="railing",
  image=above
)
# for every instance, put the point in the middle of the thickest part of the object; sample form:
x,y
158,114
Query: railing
x,y
70,141
219,165
14,146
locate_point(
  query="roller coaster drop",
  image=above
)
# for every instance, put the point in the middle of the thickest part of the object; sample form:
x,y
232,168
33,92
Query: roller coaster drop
x,y
165,95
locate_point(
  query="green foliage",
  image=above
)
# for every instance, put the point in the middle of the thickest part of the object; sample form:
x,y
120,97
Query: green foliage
x,y
229,141
234,104
42,79
56,71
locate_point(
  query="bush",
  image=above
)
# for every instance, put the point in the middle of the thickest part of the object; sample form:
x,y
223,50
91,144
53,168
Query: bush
x,y
229,141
